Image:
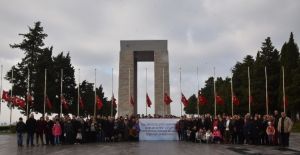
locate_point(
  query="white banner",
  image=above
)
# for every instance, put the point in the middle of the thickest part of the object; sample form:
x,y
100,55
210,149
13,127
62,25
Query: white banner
x,y
158,129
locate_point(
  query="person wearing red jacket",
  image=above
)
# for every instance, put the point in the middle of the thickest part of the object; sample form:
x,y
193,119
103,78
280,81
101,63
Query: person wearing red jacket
x,y
56,131
217,136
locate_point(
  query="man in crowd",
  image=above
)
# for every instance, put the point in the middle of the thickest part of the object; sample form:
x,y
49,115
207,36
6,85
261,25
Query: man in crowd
x,y
48,131
20,128
285,125
40,128
31,127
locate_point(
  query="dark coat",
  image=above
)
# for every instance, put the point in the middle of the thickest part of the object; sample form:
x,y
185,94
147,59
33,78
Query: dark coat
x,y
48,127
40,126
20,127
31,125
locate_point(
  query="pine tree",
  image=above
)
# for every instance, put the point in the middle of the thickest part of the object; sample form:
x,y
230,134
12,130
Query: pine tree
x,y
64,62
289,57
33,47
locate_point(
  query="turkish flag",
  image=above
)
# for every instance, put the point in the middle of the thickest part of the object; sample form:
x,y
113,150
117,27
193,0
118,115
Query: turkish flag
x,y
64,102
184,100
99,102
131,101
29,98
167,99
148,101
49,103
219,100
235,100
202,100
5,96
19,102
81,103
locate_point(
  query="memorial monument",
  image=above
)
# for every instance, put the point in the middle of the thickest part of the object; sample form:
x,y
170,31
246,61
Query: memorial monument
x,y
133,51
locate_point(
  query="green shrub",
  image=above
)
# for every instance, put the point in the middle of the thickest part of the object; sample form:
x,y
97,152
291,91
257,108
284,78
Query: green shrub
x,y
8,129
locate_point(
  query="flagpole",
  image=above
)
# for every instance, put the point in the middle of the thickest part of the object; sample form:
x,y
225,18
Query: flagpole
x,y
11,94
180,90
129,96
283,89
231,94
28,85
267,100
249,91
61,90
45,92
78,95
1,87
163,90
215,102
112,92
198,110
95,96
146,91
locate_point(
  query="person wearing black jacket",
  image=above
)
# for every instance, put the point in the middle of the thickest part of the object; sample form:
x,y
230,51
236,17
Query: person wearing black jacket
x,y
48,131
30,126
20,128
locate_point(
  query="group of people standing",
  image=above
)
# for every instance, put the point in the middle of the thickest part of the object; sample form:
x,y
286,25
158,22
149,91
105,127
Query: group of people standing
x,y
76,130
258,130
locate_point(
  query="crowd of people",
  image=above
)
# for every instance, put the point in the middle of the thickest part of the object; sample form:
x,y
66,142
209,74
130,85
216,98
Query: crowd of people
x,y
76,130
257,130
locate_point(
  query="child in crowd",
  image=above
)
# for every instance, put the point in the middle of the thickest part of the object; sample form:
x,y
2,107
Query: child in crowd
x,y
217,137
200,136
56,131
270,132
78,137
208,136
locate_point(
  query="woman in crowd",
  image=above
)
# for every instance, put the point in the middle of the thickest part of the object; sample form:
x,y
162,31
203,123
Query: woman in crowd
x,y
56,131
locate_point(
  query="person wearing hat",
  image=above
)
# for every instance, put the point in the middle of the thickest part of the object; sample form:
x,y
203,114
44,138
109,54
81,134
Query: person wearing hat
x,y
20,129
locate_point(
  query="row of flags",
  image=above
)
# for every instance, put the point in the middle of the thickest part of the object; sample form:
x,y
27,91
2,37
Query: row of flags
x,y
201,100
167,100
14,100
17,101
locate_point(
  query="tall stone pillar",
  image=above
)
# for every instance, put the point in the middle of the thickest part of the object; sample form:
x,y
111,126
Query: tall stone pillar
x,y
131,52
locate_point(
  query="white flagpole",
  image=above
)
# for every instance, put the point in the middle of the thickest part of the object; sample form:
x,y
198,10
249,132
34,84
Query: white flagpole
x,y
283,90
215,101
180,90
11,94
61,90
249,91
28,85
231,94
45,93
78,95
198,110
112,92
267,100
129,96
95,96
1,88
146,92
164,90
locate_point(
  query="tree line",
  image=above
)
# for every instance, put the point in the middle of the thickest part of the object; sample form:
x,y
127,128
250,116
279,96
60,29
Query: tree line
x,y
37,58
268,56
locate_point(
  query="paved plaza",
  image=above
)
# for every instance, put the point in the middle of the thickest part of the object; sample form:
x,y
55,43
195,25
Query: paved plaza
x,y
8,146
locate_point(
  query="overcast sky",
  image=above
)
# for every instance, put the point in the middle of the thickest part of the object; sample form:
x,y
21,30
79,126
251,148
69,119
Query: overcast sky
x,y
207,33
